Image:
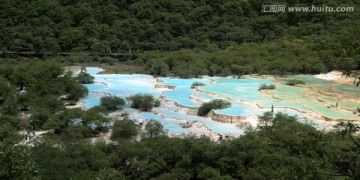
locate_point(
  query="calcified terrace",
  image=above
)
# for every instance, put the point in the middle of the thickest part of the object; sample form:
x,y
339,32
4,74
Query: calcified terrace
x,y
313,102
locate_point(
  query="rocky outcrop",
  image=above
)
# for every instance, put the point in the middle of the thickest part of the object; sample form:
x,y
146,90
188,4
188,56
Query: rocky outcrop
x,y
159,80
190,110
99,82
187,124
104,93
163,98
62,97
79,104
164,86
199,129
225,118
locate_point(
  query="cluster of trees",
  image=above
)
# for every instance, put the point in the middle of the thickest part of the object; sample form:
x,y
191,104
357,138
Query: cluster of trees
x,y
158,25
84,77
112,102
206,107
35,88
76,123
128,129
279,148
144,102
125,129
30,99
278,58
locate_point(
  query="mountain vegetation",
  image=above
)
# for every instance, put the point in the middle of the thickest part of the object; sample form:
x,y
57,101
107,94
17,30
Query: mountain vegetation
x,y
183,38
218,38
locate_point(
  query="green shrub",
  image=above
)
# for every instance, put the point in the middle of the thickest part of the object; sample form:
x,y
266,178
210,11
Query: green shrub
x,y
197,84
266,87
112,102
144,102
85,78
125,129
205,108
293,82
153,128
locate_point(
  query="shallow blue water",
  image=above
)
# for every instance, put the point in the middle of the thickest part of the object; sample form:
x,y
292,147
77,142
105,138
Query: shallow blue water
x,y
183,90
348,88
95,87
116,84
92,100
182,82
181,95
224,128
144,116
127,85
284,104
176,129
312,81
234,110
224,88
309,79
203,95
246,89
93,70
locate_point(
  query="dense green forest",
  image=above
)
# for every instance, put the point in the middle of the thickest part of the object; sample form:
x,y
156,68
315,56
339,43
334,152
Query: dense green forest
x,y
218,37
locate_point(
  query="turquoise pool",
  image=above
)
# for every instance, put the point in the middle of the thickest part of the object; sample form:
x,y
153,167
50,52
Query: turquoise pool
x,y
242,93
245,89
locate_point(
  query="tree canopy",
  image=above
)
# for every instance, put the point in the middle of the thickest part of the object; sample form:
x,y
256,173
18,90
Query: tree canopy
x,y
284,148
112,102
239,38
144,102
125,129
